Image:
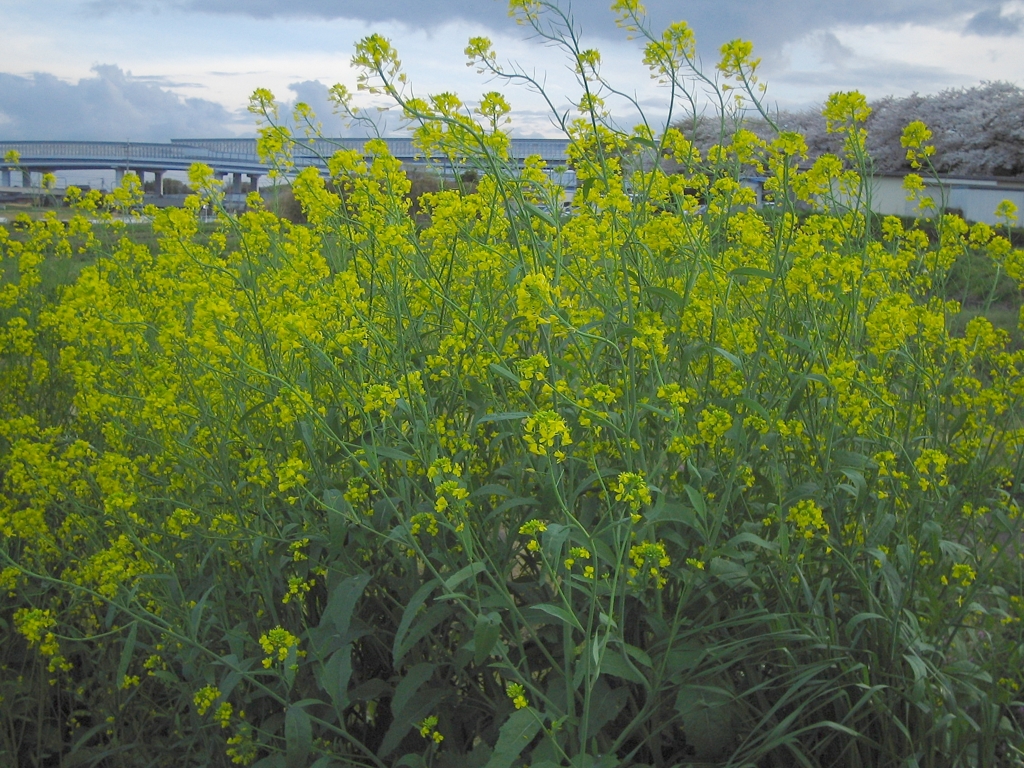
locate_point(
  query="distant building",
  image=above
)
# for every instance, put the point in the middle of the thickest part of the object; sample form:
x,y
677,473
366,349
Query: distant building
x,y
974,198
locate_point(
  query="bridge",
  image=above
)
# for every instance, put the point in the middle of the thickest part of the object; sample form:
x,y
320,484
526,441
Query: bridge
x,y
236,157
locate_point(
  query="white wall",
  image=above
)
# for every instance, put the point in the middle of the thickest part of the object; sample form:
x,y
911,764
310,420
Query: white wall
x,y
976,198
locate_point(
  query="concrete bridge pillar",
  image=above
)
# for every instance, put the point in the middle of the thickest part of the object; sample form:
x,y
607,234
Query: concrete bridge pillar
x,y
142,178
118,176
236,183
5,177
159,175
254,182
26,178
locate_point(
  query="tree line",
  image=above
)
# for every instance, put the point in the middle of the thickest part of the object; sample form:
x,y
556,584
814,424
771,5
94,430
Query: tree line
x,y
977,131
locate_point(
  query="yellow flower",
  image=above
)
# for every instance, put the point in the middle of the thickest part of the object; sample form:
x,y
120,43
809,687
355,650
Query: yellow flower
x,y
517,693
428,729
205,697
807,516
535,298
631,487
1007,212
544,430
931,467
533,528
914,137
649,557
964,573
276,645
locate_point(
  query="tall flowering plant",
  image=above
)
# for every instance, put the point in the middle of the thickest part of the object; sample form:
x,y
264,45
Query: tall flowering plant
x,y
673,477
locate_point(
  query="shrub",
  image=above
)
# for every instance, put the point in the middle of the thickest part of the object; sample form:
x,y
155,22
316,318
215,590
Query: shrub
x,y
643,485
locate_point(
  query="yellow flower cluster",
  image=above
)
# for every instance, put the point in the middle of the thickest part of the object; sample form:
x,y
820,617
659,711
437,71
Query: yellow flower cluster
x,y
631,488
533,528
277,644
579,553
205,698
806,516
545,430
649,558
517,693
428,729
245,397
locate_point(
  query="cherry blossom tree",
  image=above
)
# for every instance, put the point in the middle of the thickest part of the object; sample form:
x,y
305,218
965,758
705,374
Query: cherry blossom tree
x,y
977,131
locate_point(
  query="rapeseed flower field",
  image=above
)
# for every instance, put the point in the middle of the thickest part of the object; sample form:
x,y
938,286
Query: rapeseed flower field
x,y
671,479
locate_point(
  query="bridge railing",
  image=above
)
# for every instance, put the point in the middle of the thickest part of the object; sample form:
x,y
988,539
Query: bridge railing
x,y
119,150
226,155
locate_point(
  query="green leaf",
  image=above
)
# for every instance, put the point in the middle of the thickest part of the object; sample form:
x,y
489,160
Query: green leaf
x,y
434,616
196,614
343,601
669,511
507,416
731,573
796,399
519,501
860,618
126,652
696,500
326,762
409,614
485,635
756,407
683,659
540,214
410,684
337,527
668,295
801,344
335,676
751,272
387,452
880,532
639,655
515,735
236,673
491,489
505,373
648,143
554,537
605,705
614,663
851,459
298,737
425,701
707,716
918,666
589,761
559,613
858,485
591,482
752,538
371,690
727,355
468,572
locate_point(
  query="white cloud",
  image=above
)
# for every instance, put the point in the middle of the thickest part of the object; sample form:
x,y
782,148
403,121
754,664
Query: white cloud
x,y
893,60
808,49
110,104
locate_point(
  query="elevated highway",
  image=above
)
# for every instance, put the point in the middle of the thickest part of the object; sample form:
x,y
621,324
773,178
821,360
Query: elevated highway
x,y
236,157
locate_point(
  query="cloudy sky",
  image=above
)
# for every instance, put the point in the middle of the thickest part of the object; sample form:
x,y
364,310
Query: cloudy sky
x,y
149,70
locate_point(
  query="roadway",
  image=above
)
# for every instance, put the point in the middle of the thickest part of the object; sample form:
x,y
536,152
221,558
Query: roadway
x,y
224,156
